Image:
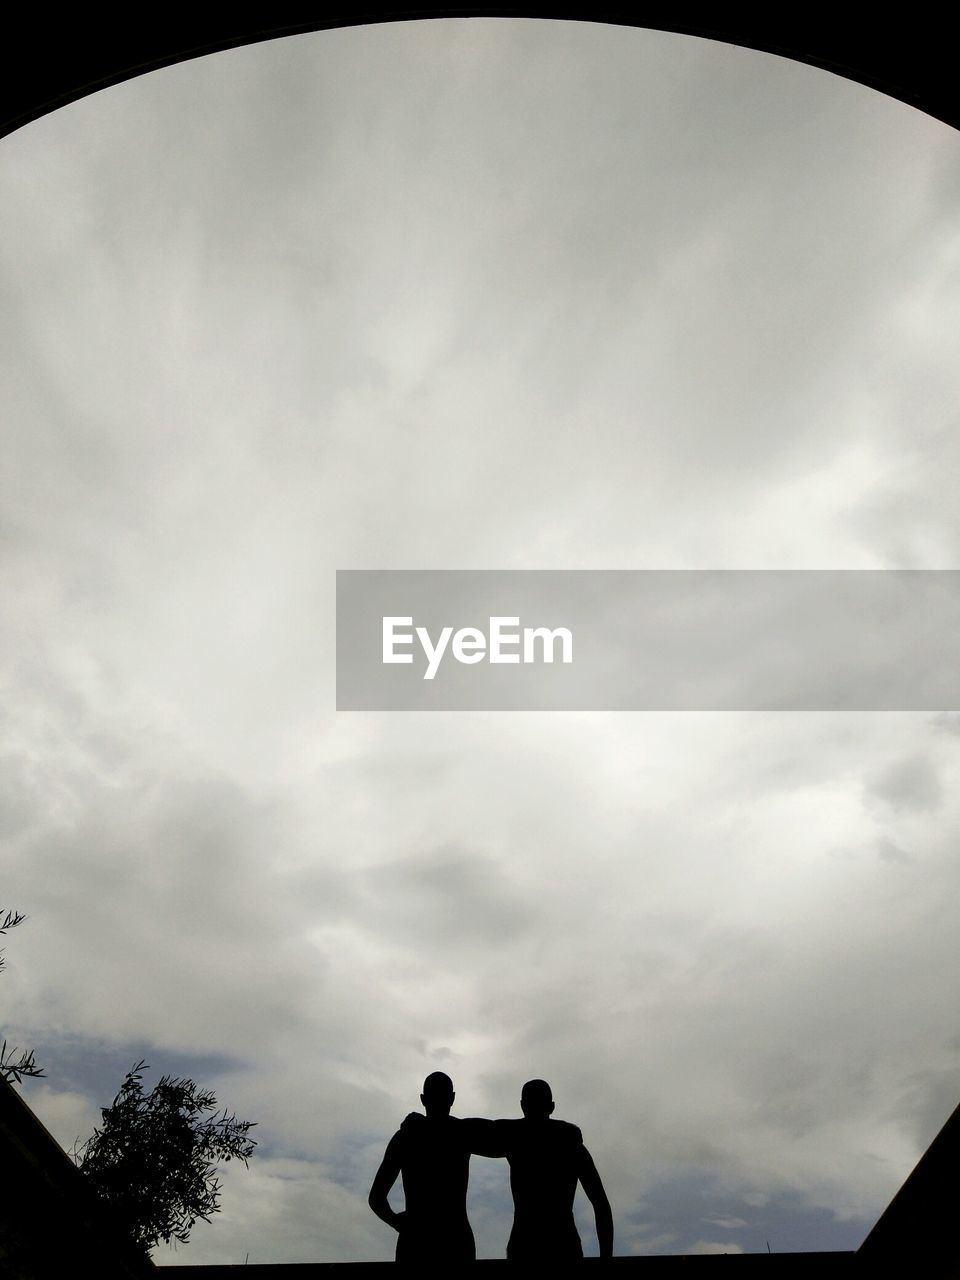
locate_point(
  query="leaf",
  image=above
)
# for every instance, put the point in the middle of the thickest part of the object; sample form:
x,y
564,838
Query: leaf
x,y
154,1160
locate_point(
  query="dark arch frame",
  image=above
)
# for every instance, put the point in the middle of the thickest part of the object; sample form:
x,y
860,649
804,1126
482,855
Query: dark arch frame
x,y
51,62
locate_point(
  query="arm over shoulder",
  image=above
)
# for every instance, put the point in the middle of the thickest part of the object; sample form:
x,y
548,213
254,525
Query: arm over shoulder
x,y
484,1137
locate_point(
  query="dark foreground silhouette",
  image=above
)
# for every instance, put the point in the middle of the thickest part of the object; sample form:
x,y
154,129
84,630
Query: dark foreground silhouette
x,y
547,1159
433,1159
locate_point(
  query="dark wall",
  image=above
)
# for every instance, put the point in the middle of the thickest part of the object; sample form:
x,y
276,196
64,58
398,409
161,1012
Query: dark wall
x,y
48,1218
54,57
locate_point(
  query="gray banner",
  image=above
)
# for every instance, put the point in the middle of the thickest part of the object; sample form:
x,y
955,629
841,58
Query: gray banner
x,y
658,640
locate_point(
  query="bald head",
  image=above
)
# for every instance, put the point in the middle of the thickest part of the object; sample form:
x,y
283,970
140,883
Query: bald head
x,y
536,1100
438,1095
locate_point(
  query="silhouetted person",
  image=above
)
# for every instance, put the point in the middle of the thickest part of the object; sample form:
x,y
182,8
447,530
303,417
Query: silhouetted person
x,y
547,1159
433,1158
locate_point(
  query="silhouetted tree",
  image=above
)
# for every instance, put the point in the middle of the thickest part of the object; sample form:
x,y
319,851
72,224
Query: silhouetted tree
x,y
15,1063
153,1160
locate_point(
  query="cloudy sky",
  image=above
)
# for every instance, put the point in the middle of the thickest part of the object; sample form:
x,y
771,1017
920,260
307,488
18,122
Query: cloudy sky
x,y
474,294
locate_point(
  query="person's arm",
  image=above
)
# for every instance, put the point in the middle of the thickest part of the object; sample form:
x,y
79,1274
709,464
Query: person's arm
x,y
386,1176
602,1214
486,1137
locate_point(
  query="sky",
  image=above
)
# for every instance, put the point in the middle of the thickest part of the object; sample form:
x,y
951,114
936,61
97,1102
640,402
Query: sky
x,y
468,294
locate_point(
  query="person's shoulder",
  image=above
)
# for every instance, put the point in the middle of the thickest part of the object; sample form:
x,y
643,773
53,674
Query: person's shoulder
x,y
418,1129
509,1128
397,1145
568,1132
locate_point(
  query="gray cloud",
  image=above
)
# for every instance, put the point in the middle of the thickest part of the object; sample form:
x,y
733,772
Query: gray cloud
x,y
422,898
889,851
908,784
